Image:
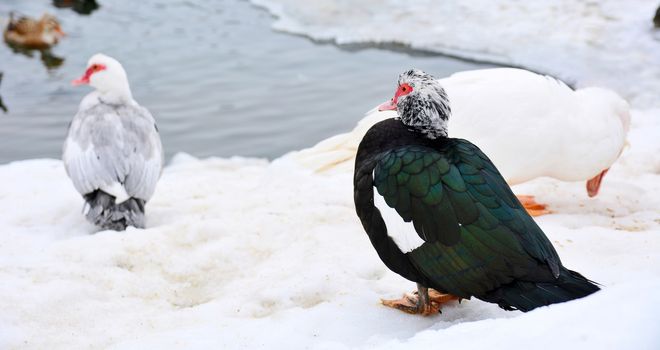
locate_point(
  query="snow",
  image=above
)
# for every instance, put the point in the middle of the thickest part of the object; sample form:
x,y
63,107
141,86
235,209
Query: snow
x,y
247,253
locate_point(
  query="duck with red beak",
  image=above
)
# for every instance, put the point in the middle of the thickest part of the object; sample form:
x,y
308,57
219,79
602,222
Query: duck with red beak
x,y
113,153
439,213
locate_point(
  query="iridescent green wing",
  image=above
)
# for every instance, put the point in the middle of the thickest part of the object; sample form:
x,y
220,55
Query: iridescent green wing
x,y
477,233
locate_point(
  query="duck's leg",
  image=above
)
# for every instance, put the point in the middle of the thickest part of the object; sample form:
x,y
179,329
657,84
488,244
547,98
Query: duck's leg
x,y
420,302
593,185
533,208
442,298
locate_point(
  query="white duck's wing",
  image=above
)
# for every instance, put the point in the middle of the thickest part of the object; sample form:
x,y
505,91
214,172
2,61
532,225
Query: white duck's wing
x,y
338,152
115,148
532,125
145,156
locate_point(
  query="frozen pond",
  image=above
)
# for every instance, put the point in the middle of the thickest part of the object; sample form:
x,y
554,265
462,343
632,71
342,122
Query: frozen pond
x,y
215,75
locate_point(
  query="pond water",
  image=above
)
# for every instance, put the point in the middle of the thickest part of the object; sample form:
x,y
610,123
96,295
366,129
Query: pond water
x,y
216,77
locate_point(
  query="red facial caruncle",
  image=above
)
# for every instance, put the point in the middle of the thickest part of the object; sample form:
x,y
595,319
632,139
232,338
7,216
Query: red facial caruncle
x,y
88,74
402,90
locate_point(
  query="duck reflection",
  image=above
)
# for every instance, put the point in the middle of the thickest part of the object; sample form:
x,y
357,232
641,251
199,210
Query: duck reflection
x,y
48,59
2,105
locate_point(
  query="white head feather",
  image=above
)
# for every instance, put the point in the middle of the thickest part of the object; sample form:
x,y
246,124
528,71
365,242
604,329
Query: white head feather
x,y
108,77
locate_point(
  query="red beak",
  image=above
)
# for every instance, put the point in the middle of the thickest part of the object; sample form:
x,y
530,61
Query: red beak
x,y
593,185
387,106
84,80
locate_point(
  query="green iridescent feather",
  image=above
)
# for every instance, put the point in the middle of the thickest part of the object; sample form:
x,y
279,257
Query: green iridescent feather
x,y
478,236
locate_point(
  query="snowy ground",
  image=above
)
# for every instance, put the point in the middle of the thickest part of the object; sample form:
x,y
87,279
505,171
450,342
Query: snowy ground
x,y
245,253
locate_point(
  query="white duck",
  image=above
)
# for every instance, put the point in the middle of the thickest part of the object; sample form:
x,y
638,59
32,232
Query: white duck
x,y
530,126
113,152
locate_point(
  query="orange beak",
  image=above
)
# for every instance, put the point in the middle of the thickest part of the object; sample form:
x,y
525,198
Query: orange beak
x,y
593,185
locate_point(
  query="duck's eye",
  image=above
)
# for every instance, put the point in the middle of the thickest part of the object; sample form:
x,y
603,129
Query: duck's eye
x,y
405,89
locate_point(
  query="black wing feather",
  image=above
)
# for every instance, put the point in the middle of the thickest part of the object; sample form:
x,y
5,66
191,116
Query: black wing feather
x,y
473,225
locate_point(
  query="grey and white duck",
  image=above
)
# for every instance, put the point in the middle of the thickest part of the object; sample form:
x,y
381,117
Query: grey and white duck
x,y
113,152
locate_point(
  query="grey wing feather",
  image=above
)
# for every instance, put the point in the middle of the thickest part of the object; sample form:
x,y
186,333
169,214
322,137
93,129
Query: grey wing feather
x,y
146,155
109,144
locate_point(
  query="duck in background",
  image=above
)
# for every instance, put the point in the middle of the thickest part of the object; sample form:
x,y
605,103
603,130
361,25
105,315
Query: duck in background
x,y
28,33
83,7
656,19
530,125
113,153
438,213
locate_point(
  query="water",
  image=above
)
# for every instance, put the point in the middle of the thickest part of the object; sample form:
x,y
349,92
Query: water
x,y
214,74
606,43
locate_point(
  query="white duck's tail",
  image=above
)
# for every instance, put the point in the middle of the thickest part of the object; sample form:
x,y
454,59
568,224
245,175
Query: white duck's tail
x,y
338,152
102,211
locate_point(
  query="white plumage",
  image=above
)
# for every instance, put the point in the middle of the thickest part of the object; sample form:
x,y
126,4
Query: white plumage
x,y
113,146
530,125
402,233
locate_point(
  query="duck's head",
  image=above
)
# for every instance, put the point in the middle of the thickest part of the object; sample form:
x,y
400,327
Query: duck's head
x,y
421,103
51,26
107,76
605,117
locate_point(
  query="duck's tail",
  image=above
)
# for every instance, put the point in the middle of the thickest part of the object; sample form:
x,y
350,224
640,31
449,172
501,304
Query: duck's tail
x,y
102,211
526,296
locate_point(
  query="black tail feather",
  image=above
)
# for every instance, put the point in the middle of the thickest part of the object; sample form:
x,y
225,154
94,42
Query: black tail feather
x,y
103,211
526,296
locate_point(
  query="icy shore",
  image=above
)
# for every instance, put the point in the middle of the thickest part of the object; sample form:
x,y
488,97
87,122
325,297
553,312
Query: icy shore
x,y
604,43
250,254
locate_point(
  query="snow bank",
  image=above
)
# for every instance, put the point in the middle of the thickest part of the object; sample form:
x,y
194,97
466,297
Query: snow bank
x,y
577,325
250,254
607,43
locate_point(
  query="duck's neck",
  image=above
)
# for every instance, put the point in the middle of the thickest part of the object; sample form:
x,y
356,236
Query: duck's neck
x,y
119,94
431,127
427,114
49,37
432,132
